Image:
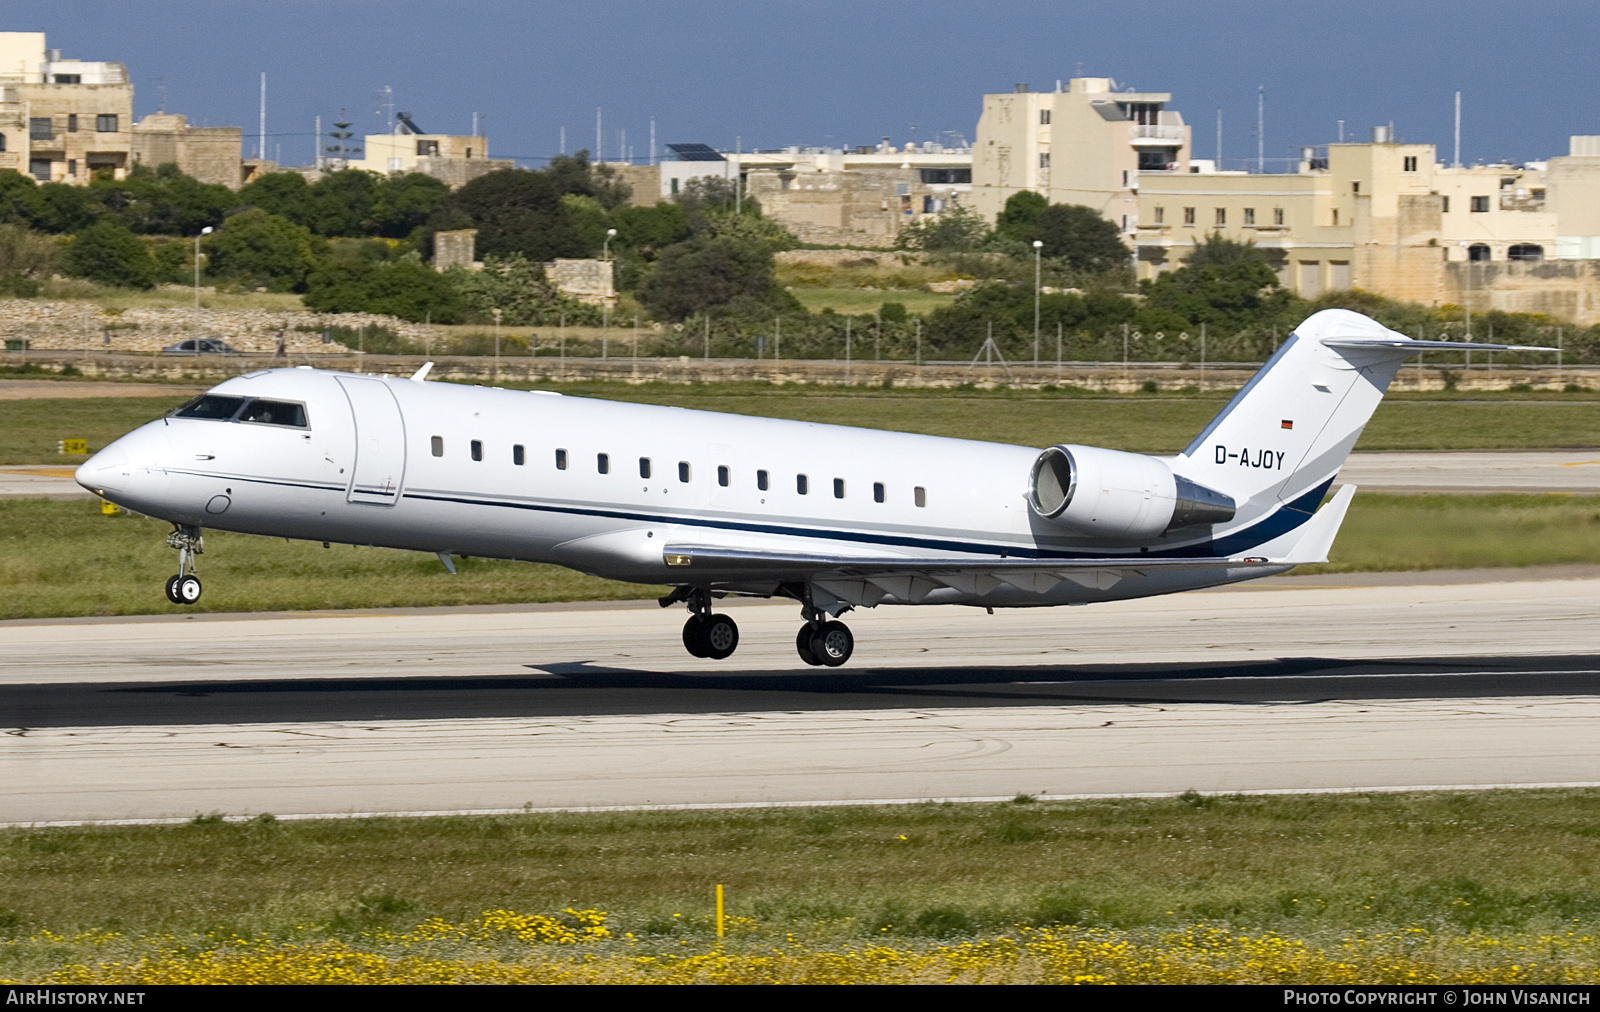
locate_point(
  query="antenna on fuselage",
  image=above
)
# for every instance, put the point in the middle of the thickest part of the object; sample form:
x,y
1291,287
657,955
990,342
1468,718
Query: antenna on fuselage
x,y
421,375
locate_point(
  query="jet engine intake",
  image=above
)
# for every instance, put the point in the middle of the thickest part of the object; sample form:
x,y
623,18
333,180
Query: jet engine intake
x,y
1116,495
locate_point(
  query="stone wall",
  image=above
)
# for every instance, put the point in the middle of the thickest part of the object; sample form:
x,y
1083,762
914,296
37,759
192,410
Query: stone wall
x,y
1567,290
456,248
457,172
74,327
588,281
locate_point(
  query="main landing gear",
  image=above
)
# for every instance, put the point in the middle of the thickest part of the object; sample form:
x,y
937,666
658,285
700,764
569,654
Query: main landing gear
x,y
714,637
184,588
823,641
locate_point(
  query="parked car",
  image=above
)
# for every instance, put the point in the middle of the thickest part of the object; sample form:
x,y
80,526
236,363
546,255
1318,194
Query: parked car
x,y
199,346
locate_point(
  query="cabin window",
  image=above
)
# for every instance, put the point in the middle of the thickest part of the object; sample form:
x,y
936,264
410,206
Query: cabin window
x,y
477,449
644,467
516,455
723,476
438,446
602,463
761,480
801,484
838,488
561,460
683,471
877,491
919,495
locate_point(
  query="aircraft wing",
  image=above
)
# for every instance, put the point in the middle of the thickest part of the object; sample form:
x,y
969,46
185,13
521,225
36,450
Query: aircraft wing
x,y
913,578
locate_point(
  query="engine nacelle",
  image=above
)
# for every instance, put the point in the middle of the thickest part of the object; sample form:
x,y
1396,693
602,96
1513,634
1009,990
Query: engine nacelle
x,y
1126,496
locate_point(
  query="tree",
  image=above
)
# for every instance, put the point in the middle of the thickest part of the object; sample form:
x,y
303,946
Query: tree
x,y
517,287
19,198
1081,238
344,203
1019,218
405,201
407,288
958,230
515,211
708,271
286,194
110,254
262,249
25,254
1223,283
162,201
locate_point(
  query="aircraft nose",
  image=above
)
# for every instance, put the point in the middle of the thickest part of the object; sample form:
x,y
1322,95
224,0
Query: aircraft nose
x,y
114,469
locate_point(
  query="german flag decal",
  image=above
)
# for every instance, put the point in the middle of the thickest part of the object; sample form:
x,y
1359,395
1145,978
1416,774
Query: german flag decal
x,y
1287,423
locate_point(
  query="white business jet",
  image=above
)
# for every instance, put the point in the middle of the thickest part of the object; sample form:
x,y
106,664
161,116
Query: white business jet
x,y
712,504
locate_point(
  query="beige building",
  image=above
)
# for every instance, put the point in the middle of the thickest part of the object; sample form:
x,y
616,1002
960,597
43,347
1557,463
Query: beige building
x,y
861,196
1572,185
1085,143
1383,217
62,120
454,159
209,154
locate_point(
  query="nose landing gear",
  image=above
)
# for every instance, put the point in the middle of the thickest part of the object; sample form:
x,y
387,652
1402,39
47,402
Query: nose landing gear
x,y
184,588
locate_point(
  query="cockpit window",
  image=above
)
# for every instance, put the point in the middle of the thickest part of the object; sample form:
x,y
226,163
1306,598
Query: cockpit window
x,y
214,406
265,412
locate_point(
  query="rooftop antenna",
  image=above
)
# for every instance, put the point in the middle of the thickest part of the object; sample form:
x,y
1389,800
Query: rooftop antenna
x,y
161,86
652,140
1341,131
1219,140
474,124
261,146
316,146
563,140
386,108
599,138
1458,130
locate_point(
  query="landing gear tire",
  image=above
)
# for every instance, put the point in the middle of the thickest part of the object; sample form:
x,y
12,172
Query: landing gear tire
x,y
718,637
188,589
691,635
802,646
832,644
172,589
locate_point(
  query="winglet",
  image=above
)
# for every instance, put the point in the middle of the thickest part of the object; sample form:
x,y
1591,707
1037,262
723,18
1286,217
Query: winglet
x,y
421,375
1321,529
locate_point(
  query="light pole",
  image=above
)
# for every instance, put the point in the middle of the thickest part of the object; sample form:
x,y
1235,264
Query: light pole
x,y
1038,248
196,327
605,299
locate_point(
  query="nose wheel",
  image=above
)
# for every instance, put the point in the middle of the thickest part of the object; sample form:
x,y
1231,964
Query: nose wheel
x,y
184,587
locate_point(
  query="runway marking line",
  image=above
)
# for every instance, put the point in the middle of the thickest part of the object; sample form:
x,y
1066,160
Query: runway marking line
x,y
858,803
42,472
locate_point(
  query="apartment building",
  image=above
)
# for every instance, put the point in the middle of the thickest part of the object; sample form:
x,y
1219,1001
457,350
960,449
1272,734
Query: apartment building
x,y
1084,143
62,120
1382,216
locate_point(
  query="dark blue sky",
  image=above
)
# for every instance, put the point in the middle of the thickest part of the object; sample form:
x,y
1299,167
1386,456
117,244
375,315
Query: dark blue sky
x,y
845,71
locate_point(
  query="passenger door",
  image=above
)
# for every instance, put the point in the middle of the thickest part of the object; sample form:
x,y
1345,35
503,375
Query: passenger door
x,y
380,465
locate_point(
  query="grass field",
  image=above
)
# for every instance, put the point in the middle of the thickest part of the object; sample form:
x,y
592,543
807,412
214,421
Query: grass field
x,y
29,429
1501,885
65,558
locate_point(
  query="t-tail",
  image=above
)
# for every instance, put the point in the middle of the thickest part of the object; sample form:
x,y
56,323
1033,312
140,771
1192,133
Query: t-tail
x,y
1285,435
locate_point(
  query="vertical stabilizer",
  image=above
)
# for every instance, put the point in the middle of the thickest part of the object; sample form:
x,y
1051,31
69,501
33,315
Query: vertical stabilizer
x,y
1290,428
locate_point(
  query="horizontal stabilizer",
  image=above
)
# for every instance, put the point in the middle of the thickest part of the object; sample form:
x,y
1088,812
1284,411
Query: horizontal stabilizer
x,y
1358,343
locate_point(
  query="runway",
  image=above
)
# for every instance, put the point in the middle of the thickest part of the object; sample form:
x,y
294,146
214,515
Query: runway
x,y
1289,684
